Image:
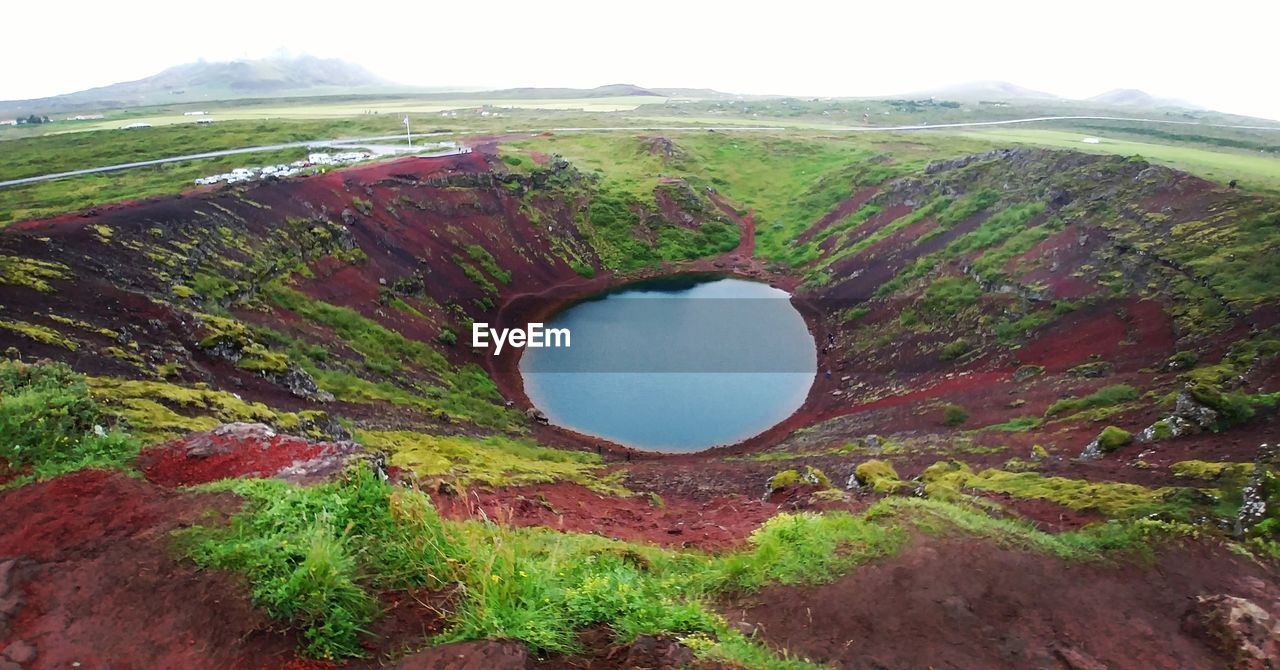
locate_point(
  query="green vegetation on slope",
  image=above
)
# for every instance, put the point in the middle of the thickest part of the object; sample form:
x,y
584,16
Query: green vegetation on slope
x,y
995,231
490,461
31,201
467,392
313,556
50,423
1104,398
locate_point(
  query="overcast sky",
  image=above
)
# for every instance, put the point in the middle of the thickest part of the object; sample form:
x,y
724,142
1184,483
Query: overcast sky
x,y
1219,54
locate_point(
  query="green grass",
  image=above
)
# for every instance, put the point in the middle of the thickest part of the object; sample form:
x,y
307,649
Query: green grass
x,y
995,231
1112,499
966,207
934,207
32,156
490,461
314,556
426,380
41,199
789,180
1020,424
946,297
1255,171
50,423
1108,396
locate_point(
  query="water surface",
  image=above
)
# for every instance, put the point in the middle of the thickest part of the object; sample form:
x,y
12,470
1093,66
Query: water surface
x,y
675,365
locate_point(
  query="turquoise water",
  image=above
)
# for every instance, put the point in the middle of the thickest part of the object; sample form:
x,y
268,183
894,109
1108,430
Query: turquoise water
x,y
675,365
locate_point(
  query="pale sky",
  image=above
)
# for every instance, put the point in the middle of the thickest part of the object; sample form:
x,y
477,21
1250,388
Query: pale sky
x,y
1221,55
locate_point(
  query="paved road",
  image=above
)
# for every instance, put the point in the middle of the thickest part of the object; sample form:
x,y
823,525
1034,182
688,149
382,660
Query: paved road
x,y
366,140
318,144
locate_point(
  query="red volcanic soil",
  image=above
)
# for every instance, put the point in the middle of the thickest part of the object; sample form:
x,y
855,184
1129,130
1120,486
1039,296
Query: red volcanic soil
x,y
200,458
955,603
93,569
715,524
841,211
1134,331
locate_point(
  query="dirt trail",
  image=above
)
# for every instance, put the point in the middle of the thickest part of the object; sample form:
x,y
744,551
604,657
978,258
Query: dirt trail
x,y
746,225
97,585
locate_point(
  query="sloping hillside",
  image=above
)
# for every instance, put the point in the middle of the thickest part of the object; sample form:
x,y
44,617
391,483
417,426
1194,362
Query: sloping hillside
x,y
1042,424
206,81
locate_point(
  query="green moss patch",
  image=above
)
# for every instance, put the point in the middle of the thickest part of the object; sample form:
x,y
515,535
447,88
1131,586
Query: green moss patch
x,y
494,461
880,476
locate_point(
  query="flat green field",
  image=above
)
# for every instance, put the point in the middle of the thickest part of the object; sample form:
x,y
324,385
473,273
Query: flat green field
x,y
1255,171
753,172
364,108
41,199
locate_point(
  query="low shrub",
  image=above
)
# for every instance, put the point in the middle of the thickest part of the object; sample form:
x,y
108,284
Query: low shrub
x,y
50,424
954,415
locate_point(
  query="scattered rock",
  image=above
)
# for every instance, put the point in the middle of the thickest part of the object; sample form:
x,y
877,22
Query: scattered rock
x,y
203,445
481,655
6,575
1110,439
958,610
1253,506
537,415
9,605
1244,633
1188,408
20,652
875,476
1093,370
301,384
657,654
808,476
1167,428
249,450
1075,659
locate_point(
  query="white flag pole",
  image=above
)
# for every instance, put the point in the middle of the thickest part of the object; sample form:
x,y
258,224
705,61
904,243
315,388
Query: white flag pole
x,y
407,134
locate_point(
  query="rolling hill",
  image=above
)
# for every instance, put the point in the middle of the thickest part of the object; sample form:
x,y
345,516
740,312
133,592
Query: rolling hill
x,y
1132,97
987,90
204,80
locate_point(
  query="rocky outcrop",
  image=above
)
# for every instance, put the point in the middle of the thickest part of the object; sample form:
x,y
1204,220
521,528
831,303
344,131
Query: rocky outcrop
x,y
251,450
1242,632
1189,417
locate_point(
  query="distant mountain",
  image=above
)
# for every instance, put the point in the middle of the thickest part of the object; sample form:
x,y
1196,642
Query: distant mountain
x,y
530,93
1132,97
204,81
697,93
986,90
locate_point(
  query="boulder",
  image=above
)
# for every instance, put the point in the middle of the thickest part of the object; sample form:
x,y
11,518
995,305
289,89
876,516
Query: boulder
x,y
1167,428
1190,409
203,445
1246,635
20,652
